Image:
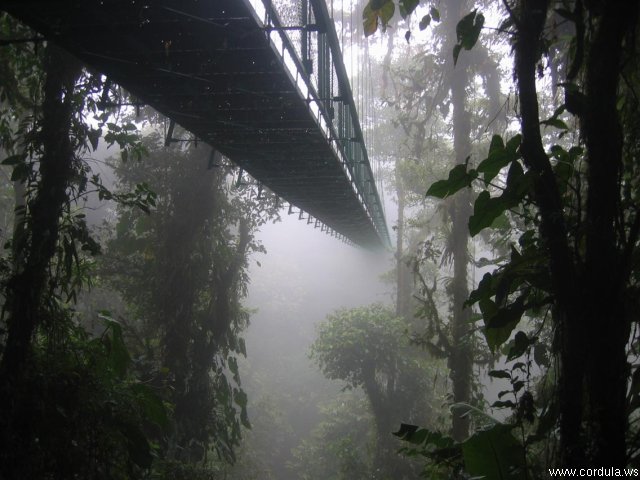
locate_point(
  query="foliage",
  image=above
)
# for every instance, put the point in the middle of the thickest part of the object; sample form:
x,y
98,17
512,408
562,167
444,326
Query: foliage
x,y
351,344
88,415
491,452
78,406
182,273
565,194
339,447
368,348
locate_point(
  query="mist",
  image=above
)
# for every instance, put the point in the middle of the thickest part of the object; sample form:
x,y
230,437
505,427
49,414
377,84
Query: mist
x,y
319,240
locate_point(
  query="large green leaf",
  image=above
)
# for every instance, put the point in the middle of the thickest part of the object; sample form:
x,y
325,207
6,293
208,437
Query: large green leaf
x,y
485,210
499,156
407,7
117,353
428,443
151,405
377,11
459,178
468,31
369,21
500,323
494,454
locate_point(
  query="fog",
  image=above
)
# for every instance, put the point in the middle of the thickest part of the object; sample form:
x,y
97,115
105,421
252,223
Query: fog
x,y
304,275
165,317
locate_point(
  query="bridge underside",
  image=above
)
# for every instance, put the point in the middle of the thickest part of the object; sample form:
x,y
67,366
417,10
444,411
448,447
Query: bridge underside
x,y
210,66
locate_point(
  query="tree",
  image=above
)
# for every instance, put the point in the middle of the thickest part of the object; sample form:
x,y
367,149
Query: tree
x,y
366,348
582,232
574,199
69,404
432,94
182,271
339,447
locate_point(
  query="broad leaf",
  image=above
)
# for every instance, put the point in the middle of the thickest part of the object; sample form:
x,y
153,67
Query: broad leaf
x,y
377,10
468,31
424,23
369,21
485,210
152,405
499,157
498,327
494,453
407,7
520,344
386,12
458,179
500,374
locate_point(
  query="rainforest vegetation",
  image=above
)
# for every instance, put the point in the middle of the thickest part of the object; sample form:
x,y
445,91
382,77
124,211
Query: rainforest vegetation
x,y
158,322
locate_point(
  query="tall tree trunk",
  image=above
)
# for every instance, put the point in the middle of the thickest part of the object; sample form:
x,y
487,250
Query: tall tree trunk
x,y
461,357
567,312
34,248
607,325
589,310
404,286
29,284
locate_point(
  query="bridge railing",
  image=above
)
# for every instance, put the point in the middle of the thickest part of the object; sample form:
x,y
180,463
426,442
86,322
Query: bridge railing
x,y
303,32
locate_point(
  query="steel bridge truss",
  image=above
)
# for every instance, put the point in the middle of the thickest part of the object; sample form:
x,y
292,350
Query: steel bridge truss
x,y
262,81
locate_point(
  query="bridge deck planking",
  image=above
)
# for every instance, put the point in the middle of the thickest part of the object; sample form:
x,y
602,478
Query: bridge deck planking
x,y
209,66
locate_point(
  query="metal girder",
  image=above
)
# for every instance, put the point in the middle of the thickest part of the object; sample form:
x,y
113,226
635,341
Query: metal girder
x,y
213,67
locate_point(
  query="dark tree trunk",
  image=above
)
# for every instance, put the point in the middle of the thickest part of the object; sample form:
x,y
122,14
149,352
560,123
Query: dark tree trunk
x,y
29,283
34,248
554,232
589,314
607,325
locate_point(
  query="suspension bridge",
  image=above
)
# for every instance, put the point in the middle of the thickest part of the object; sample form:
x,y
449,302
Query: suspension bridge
x,y
262,81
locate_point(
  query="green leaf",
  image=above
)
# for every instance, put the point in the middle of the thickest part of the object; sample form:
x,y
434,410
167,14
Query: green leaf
x,y
497,159
456,52
21,172
518,184
407,7
494,453
503,404
431,444
14,159
499,325
541,355
117,353
424,23
513,143
485,210
435,14
520,344
151,405
94,136
386,12
369,21
484,290
458,179
500,374
377,10
555,122
467,31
